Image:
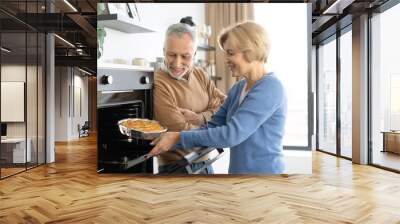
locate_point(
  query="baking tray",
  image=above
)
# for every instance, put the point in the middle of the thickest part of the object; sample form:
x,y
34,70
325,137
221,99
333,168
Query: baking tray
x,y
137,133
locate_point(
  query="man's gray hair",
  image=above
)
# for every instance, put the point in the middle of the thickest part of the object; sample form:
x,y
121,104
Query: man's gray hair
x,y
180,29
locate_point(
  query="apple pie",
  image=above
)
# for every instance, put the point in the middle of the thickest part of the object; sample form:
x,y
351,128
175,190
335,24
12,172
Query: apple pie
x,y
143,125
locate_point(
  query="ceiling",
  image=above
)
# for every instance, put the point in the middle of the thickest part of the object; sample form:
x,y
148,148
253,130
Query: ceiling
x,y
76,22
76,25
330,15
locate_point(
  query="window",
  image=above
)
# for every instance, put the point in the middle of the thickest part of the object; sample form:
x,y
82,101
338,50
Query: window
x,y
327,96
288,59
346,94
22,75
385,88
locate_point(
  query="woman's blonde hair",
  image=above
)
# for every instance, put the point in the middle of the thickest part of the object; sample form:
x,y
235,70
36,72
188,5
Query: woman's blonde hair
x,y
248,37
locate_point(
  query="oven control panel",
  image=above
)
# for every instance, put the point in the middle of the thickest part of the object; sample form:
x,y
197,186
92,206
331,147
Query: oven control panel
x,y
109,79
106,80
145,80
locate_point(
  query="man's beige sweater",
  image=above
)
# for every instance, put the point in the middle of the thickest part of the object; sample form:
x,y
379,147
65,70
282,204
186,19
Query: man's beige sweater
x,y
196,93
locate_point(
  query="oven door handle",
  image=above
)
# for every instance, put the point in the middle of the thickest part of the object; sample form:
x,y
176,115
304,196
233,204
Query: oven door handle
x,y
207,162
193,156
131,163
189,159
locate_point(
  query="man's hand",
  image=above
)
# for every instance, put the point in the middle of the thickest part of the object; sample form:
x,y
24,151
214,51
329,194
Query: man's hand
x,y
164,143
192,117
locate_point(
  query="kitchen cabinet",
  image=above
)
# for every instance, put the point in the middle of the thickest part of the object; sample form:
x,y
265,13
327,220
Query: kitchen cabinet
x,y
126,25
121,23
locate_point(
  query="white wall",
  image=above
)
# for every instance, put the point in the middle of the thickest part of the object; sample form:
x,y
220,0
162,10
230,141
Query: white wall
x,y
156,16
80,83
290,66
14,73
61,103
68,82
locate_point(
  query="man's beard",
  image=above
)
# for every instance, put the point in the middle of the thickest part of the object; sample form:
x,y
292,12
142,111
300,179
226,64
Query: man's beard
x,y
165,68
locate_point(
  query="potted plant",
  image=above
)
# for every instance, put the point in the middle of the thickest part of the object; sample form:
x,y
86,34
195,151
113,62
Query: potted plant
x,y
101,32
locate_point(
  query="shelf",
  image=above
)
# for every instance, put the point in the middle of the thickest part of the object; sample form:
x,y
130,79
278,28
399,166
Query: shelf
x,y
121,23
205,47
124,67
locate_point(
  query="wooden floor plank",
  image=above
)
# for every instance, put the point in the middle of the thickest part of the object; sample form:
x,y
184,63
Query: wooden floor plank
x,y
71,191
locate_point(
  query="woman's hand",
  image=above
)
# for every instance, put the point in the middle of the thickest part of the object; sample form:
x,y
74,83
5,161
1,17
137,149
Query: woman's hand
x,y
192,117
164,143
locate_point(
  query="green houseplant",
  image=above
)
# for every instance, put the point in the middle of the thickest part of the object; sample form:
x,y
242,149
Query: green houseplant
x,y
101,32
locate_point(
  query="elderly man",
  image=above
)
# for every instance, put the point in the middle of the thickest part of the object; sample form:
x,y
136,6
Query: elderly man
x,y
184,97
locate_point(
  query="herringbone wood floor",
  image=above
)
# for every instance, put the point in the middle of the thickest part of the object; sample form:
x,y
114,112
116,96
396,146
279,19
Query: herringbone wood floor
x,y
70,191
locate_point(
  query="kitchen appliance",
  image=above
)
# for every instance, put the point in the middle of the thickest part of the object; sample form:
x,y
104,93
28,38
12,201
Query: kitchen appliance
x,y
123,92
3,130
126,92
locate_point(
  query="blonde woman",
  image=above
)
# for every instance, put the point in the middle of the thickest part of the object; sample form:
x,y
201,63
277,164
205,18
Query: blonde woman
x,y
251,120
